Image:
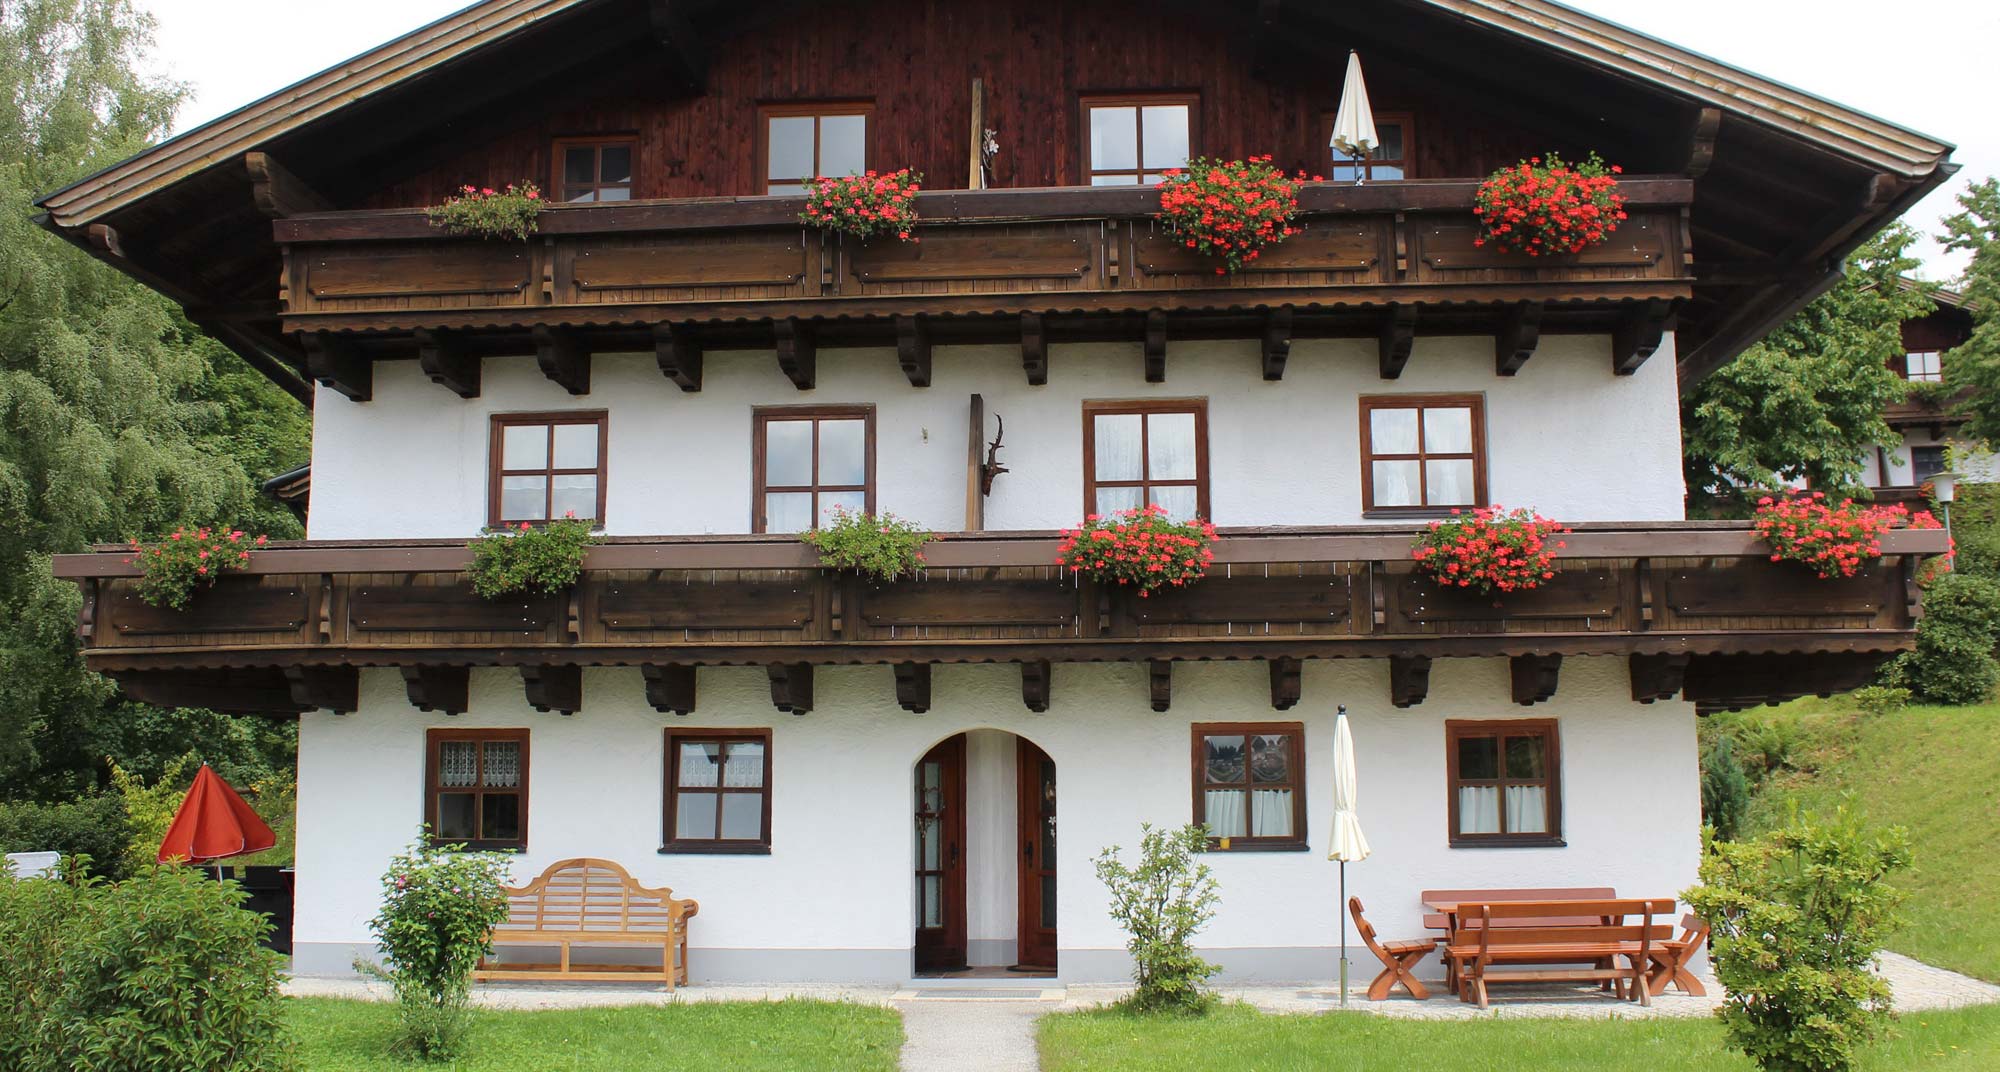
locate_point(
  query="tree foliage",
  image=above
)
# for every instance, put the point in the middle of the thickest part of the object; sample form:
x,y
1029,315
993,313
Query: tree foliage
x,y
1975,363
1806,402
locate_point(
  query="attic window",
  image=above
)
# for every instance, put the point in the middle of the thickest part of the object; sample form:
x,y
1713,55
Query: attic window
x,y
1392,159
1134,140
804,141
594,169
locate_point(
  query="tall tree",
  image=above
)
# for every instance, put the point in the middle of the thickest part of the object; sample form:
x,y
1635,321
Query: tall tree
x,y
1806,402
1975,363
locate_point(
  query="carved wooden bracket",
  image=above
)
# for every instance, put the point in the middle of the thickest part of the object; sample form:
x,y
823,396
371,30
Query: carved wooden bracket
x,y
1535,678
1398,336
1638,335
1657,677
791,687
1520,332
336,361
1156,346
564,357
279,193
798,351
670,687
1035,685
554,688
327,688
1160,683
1034,349
913,686
1409,679
1277,342
913,349
678,354
438,688
1701,142
1286,683
442,357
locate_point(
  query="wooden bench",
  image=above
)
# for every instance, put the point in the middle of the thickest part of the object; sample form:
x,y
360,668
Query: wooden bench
x,y
1540,934
592,903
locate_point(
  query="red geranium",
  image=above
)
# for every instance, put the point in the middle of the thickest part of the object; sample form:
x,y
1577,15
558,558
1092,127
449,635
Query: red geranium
x,y
865,205
172,568
1142,548
1230,210
1492,550
1544,207
1835,539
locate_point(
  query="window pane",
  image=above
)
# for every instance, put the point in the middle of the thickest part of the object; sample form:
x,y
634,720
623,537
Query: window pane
x,y
455,816
1396,483
1170,446
933,886
787,454
1478,809
580,164
1114,180
1450,482
587,193
694,815
832,503
743,768
1385,171
1222,812
1527,809
1154,178
524,446
1114,138
1392,431
500,817
503,764
843,145
789,511
791,149
615,193
1391,147
785,188
1343,172
524,498
1118,445
843,453
1446,431
576,495
615,164
1113,500
1178,500
1525,757
458,763
1224,759
1271,813
700,761
1166,135
743,815
1271,757
1478,758
576,446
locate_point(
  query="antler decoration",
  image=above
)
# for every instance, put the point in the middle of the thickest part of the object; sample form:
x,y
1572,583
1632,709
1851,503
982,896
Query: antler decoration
x,y
992,468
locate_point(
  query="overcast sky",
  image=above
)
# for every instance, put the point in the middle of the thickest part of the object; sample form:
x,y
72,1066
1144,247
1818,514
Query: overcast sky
x,y
1921,63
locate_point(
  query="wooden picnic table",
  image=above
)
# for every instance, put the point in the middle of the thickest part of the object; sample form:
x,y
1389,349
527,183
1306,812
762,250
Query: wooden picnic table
x,y
1516,933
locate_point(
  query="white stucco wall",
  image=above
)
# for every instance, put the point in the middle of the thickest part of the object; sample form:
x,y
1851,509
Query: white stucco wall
x,y
834,898
1565,435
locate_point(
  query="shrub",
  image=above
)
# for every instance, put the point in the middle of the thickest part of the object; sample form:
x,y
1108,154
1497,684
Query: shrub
x,y
161,971
1954,663
864,206
1725,789
1229,209
1141,548
1798,916
1833,539
544,559
1544,207
186,559
1491,549
439,907
510,213
1879,700
1161,904
95,828
882,546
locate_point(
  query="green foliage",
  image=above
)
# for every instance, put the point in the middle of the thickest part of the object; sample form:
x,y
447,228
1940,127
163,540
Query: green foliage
x,y
1725,789
882,546
1928,393
1975,530
547,559
1798,915
510,213
1765,744
439,907
1806,403
160,972
1954,663
1879,700
150,809
95,827
1161,903
172,568
1974,365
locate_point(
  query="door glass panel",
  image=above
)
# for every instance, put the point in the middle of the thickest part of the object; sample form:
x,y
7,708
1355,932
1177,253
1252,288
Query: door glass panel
x,y
1524,757
616,163
1049,815
1396,483
524,498
500,817
1271,813
843,453
843,145
1178,500
576,446
455,816
694,815
503,764
1114,138
930,836
576,495
698,765
933,894
1113,500
789,511
1166,135
743,815
791,149
1224,759
458,763
744,767
1270,758
1170,446
1118,446
787,454
1049,901
1478,758
1446,431
524,446
1392,431
1449,482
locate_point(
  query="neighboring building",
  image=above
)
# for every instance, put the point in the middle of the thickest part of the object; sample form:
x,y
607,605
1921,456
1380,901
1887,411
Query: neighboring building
x,y
862,781
1900,472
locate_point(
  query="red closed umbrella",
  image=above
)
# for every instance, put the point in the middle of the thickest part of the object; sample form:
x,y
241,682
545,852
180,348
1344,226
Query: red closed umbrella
x,y
214,823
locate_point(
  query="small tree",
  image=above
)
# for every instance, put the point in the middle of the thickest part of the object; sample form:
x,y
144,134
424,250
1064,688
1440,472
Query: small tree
x,y
1725,789
1798,916
1161,904
439,907
1954,663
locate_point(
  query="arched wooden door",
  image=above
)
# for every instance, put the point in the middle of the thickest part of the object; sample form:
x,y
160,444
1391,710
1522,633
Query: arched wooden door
x,y
1036,804
940,857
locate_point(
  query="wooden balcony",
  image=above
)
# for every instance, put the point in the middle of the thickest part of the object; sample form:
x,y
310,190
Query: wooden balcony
x,y
1698,608
1387,261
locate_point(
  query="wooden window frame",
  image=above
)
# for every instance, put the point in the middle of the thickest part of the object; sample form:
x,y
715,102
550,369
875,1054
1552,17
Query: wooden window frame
x,y
1909,374
1551,782
817,110
1370,403
558,149
763,415
1094,410
496,448
1087,101
716,846
1296,765
434,739
1408,161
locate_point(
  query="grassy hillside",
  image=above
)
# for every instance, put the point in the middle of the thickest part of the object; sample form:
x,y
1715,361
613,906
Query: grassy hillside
x,y
1934,770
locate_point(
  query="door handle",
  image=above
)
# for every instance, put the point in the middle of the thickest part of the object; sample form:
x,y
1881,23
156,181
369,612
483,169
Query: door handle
x,y
954,854
1028,849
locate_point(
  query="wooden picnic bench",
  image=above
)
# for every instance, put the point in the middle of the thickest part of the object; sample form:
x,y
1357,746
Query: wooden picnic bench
x,y
1524,941
592,903
1442,902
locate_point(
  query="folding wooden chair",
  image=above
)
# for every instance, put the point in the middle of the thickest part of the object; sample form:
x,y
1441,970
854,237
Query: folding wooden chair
x,y
1399,959
1671,957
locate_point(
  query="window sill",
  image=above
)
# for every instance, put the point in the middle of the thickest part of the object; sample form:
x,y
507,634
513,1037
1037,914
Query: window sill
x,y
480,846
1259,846
1417,513
1509,843
712,848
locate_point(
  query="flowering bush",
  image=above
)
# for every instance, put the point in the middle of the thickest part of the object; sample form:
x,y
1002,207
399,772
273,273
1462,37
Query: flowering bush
x,y
1544,207
490,213
1142,548
1229,209
1835,539
187,559
882,546
1491,549
865,205
548,559
439,907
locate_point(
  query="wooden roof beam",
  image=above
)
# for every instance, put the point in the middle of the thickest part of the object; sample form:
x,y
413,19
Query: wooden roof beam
x,y
1519,334
1397,337
1658,677
791,687
336,361
1286,683
1160,683
670,687
1701,142
325,688
1034,349
438,688
1156,346
564,357
913,687
798,351
678,354
1035,685
442,356
1409,679
1638,335
1277,348
913,349
1535,678
279,193
554,688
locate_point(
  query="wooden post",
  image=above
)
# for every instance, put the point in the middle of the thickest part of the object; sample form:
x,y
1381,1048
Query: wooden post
x,y
976,176
975,460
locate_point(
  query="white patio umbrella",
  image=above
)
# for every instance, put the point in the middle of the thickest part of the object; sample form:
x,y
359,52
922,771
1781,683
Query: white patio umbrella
x,y
1348,842
1354,125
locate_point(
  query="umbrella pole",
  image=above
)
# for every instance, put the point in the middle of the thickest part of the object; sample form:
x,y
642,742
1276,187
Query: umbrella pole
x,y
1343,934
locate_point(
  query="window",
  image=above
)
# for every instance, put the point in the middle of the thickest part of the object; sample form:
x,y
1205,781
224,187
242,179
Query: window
x,y
810,462
1394,158
1132,141
1248,783
718,792
1922,366
546,465
476,788
1926,462
1139,453
1422,453
594,169
804,141
1504,784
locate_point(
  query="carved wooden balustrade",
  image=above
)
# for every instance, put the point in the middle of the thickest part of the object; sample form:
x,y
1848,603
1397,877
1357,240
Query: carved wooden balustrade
x,y
1698,607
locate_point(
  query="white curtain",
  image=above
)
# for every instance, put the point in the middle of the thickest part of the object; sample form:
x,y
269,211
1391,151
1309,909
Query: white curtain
x,y
1223,809
1271,812
744,769
1527,809
1478,809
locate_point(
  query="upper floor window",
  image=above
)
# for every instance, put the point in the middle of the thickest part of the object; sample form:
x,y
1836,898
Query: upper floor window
x,y
1133,140
476,787
1923,366
1249,783
804,141
1140,453
546,465
1422,452
810,461
1927,462
1505,782
1394,158
594,169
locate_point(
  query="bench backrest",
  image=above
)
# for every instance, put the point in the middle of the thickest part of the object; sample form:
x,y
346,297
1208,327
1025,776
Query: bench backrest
x,y
1496,925
590,895
1557,893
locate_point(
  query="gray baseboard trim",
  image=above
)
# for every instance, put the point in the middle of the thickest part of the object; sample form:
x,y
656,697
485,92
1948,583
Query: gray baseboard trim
x,y
1249,966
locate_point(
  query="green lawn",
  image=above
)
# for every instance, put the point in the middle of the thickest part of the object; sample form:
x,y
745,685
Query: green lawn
x,y
1935,770
353,1036
1240,1038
